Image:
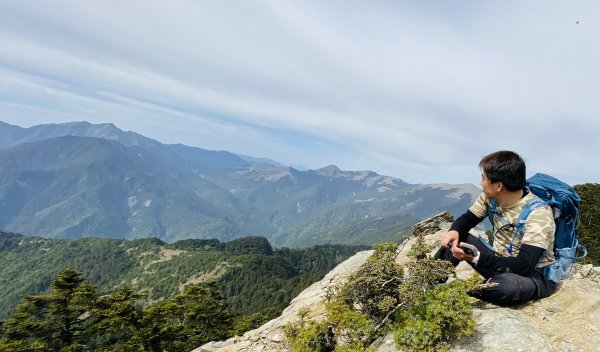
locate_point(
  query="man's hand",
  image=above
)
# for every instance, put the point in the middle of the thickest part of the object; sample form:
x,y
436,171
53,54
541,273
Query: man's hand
x,y
450,240
458,253
469,248
450,236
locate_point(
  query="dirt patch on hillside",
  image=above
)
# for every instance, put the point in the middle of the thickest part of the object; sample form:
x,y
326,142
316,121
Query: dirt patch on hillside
x,y
165,255
208,276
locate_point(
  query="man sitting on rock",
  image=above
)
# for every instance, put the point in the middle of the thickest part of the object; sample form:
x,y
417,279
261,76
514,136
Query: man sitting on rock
x,y
514,262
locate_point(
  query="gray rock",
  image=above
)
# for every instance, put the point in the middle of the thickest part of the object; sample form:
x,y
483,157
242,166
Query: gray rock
x,y
433,224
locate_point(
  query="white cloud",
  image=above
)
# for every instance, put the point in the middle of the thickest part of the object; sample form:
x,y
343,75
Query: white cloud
x,y
417,91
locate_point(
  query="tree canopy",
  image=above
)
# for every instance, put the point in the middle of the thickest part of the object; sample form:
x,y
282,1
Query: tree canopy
x,y
73,317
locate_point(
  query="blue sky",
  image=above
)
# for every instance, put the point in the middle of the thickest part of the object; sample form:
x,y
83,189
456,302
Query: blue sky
x,y
416,90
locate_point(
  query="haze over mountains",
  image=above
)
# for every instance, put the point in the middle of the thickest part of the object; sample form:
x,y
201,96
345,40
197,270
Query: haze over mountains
x,y
79,179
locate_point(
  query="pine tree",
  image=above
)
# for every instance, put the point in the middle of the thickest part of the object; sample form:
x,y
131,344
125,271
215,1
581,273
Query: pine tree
x,y
185,321
115,318
55,321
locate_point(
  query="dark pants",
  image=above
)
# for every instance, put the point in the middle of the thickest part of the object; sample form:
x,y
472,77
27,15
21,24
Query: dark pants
x,y
512,288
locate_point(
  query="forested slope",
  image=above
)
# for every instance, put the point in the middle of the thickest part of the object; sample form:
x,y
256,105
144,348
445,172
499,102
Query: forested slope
x,y
250,273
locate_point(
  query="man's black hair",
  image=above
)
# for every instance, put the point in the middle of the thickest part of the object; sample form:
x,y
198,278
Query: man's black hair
x,y
506,167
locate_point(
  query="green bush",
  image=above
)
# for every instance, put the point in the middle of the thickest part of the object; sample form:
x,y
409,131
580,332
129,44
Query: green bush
x,y
373,287
441,318
410,301
356,328
307,336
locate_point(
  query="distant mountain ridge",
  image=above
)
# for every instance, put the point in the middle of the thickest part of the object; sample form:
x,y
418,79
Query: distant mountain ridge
x,y
80,179
11,135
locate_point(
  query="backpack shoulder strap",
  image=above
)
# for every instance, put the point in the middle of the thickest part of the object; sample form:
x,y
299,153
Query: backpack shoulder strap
x,y
519,225
491,210
493,214
532,204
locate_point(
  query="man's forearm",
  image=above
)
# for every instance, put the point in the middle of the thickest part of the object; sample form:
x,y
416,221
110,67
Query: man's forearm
x,y
464,223
523,263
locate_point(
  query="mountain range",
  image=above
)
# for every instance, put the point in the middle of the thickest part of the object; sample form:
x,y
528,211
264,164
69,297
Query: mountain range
x,y
78,179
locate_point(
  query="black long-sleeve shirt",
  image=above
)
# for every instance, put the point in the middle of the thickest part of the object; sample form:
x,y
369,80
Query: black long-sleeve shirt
x,y
522,264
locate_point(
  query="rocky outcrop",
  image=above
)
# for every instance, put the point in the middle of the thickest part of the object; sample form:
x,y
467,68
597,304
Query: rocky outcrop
x,y
270,337
569,320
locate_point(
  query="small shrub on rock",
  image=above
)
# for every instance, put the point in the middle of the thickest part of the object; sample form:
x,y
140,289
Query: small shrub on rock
x,y
442,317
412,302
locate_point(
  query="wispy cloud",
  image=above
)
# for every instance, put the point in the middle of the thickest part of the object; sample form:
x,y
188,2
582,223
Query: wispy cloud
x,y
417,91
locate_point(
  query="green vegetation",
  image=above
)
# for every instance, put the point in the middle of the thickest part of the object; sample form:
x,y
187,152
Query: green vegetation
x,y
589,220
438,319
73,317
249,245
410,302
257,281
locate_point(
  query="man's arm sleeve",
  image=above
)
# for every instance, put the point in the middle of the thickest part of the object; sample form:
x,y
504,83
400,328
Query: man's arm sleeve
x,y
521,264
464,223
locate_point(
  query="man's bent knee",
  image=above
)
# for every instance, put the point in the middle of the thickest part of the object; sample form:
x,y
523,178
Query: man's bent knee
x,y
511,289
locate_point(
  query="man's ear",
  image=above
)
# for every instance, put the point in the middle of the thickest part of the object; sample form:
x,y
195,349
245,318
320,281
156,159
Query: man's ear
x,y
498,186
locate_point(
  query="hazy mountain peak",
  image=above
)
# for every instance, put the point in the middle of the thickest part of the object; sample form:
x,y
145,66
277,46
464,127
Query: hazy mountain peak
x,y
254,159
329,171
12,135
5,125
368,177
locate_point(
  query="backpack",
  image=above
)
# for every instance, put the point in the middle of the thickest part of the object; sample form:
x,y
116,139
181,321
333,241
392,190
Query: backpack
x,y
564,202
